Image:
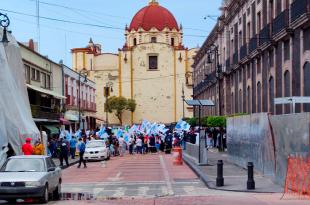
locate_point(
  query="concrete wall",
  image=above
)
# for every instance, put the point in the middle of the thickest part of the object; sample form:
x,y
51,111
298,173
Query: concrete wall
x,y
267,141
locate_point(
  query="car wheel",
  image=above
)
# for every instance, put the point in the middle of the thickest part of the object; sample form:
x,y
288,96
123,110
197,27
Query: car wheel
x,y
57,192
44,198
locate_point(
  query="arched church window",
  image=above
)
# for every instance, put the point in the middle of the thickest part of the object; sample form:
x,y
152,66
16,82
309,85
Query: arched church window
x,y
134,41
153,40
172,41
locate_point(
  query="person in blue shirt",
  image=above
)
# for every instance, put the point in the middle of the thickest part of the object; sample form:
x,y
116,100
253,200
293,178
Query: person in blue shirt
x,y
73,143
81,147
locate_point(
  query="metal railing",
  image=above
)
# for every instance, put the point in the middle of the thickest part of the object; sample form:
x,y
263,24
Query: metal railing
x,y
253,44
243,51
281,22
299,8
264,35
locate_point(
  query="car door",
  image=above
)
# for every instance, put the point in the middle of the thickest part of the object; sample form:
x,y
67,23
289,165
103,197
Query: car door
x,y
52,176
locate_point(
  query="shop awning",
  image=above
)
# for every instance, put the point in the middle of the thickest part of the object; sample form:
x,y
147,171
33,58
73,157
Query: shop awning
x,y
64,121
52,129
45,91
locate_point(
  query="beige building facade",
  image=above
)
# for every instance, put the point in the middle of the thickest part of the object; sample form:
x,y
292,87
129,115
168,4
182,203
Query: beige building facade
x,y
153,68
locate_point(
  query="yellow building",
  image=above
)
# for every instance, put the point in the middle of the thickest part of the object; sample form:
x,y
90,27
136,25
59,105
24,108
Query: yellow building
x,y
153,67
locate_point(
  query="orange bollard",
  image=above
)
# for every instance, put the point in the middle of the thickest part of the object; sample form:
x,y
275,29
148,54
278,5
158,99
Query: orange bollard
x,y
178,156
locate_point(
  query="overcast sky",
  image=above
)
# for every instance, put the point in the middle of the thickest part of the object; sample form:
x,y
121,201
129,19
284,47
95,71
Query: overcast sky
x,y
104,21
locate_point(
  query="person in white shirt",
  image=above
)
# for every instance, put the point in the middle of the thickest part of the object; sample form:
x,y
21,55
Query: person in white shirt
x,y
122,146
139,145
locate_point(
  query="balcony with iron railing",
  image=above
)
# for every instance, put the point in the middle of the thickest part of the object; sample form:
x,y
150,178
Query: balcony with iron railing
x,y
264,35
42,112
299,8
227,65
281,22
253,44
235,58
243,51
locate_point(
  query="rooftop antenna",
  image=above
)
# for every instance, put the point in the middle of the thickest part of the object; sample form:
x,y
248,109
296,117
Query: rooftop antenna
x,y
38,23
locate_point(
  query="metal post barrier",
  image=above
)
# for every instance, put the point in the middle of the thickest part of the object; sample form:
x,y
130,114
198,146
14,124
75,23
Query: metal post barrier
x,y
250,182
220,178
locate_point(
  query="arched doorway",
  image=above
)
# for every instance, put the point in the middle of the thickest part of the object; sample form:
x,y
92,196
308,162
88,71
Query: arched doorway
x,y
307,84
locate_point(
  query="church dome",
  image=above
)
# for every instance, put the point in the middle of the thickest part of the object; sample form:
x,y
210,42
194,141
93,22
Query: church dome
x,y
155,16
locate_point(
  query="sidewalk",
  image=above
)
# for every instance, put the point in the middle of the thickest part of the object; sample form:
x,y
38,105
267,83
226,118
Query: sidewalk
x,y
235,177
71,162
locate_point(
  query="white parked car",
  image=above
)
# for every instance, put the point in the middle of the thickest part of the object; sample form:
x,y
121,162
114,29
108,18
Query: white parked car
x,y
96,150
34,176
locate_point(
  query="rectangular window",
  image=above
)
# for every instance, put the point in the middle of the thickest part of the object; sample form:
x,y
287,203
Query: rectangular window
x,y
33,74
153,62
271,58
258,63
249,70
172,41
48,82
259,22
287,50
37,75
153,40
27,73
43,82
306,39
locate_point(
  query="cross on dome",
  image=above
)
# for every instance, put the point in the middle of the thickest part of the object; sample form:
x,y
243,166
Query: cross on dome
x,y
153,2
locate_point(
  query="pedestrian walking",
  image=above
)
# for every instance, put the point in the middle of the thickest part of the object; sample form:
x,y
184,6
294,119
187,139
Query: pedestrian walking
x,y
73,143
139,145
38,148
64,152
131,144
27,147
81,147
122,146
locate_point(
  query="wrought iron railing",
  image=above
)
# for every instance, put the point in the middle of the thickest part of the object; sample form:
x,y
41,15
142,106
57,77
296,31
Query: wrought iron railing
x,y
299,8
281,22
264,35
253,44
235,58
243,51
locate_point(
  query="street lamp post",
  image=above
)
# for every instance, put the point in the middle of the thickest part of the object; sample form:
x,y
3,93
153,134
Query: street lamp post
x,y
215,51
183,99
108,87
4,22
81,72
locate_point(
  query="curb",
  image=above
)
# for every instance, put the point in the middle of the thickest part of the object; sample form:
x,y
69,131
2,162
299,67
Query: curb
x,y
201,175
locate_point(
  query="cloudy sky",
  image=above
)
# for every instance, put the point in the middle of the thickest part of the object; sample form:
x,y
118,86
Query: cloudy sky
x,y
66,24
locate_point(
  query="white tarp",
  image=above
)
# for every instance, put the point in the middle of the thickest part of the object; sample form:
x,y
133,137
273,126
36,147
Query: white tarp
x,y
16,123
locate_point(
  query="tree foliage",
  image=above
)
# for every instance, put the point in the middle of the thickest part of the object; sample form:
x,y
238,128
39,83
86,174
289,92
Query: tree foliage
x,y
192,121
118,105
216,121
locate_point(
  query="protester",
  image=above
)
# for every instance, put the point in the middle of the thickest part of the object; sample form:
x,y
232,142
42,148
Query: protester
x,y
131,145
122,146
81,148
139,145
64,151
27,147
38,148
73,143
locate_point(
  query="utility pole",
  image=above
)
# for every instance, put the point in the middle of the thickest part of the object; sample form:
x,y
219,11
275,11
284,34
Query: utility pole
x,y
183,99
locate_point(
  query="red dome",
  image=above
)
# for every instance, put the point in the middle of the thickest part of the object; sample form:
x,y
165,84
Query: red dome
x,y
151,16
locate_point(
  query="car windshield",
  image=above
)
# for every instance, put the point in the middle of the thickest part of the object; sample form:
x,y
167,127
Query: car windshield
x,y
93,144
24,165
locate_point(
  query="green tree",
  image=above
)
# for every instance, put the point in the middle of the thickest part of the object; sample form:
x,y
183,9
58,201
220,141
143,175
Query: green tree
x,y
118,105
192,121
216,121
